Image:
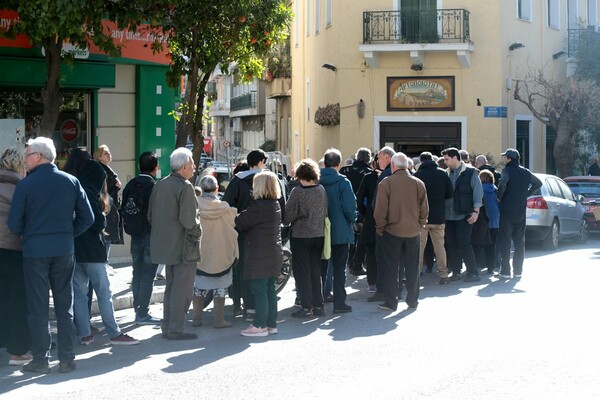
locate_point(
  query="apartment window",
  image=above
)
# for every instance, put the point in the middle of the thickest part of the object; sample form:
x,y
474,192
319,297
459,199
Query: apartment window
x,y
573,14
307,100
550,140
553,9
307,18
317,15
524,9
592,12
328,12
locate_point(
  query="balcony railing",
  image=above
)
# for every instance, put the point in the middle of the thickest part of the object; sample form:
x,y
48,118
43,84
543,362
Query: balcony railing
x,y
578,38
425,26
243,102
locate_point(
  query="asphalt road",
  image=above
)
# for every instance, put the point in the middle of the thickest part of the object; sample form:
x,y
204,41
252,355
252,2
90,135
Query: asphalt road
x,y
533,338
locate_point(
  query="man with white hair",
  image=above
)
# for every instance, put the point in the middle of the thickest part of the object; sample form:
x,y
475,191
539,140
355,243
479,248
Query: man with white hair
x,y
401,211
481,163
173,214
49,209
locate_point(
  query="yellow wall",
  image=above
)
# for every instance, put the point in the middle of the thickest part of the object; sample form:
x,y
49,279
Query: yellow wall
x,y
493,27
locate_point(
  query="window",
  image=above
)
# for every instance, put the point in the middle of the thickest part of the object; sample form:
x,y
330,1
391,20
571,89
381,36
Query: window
x,y
328,12
550,140
307,100
523,139
307,18
524,9
317,15
573,15
553,11
592,12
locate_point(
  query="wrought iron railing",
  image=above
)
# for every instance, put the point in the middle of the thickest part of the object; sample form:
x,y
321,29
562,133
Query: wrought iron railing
x,y
425,26
243,102
577,38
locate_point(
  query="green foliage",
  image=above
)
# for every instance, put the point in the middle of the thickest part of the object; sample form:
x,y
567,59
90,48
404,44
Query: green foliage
x,y
279,60
588,48
269,145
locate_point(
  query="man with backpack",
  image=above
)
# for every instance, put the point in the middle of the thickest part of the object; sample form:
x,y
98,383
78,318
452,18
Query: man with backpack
x,y
134,211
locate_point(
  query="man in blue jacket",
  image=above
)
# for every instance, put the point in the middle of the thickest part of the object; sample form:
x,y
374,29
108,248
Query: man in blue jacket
x,y
49,210
516,184
341,209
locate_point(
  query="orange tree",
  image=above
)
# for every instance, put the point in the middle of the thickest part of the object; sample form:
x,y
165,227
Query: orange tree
x,y
202,35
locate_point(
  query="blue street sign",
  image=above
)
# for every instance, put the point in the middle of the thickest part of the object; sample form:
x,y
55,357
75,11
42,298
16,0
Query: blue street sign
x,y
494,112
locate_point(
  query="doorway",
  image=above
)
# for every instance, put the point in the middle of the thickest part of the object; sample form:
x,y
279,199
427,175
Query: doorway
x,y
413,138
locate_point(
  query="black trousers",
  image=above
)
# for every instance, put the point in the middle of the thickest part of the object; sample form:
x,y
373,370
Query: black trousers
x,y
13,304
307,270
394,253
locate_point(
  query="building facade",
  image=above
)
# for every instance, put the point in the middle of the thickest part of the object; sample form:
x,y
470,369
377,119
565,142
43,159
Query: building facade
x,y
423,75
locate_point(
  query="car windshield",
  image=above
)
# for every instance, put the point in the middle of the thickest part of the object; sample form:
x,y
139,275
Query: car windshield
x,y
587,189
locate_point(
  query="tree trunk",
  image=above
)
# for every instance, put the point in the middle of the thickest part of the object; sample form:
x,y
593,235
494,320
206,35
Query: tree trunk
x,y
186,123
51,98
198,137
564,147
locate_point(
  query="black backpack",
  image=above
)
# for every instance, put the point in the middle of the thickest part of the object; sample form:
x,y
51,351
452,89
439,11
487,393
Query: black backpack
x,y
134,209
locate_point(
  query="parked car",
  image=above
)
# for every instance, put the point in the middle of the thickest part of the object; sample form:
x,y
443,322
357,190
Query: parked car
x,y
204,159
589,188
223,175
554,213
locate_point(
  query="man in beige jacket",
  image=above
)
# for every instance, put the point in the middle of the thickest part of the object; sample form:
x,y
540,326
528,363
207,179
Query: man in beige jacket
x,y
401,210
172,212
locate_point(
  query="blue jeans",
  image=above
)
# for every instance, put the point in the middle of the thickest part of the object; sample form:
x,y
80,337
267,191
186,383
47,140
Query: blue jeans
x,y
94,274
143,274
339,257
41,275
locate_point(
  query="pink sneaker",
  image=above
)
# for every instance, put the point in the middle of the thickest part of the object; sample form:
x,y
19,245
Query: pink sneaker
x,y
252,331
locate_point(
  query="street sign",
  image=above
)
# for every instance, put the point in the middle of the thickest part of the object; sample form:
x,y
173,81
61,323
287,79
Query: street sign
x,y
494,112
226,144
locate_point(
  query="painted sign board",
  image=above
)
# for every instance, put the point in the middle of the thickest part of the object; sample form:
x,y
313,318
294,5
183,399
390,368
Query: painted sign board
x,y
423,93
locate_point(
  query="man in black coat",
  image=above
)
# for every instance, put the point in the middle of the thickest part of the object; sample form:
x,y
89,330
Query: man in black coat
x,y
517,183
594,169
481,163
355,174
439,189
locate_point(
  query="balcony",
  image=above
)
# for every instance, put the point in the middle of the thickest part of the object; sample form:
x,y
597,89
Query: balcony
x,y
416,33
244,101
578,38
279,87
219,108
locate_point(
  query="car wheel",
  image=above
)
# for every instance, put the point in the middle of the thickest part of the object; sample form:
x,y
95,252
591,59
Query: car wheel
x,y
551,241
582,237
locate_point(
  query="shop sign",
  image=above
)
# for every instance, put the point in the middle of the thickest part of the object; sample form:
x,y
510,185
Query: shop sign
x,y
425,93
69,130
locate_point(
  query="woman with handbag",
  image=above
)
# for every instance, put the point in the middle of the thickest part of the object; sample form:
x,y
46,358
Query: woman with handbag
x,y
306,210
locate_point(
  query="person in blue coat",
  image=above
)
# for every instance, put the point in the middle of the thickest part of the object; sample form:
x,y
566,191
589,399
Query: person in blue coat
x,y
341,211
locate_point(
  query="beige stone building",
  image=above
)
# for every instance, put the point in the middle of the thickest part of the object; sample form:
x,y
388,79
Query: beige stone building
x,y
429,74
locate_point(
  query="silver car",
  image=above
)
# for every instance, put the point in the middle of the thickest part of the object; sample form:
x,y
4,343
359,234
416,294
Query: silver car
x,y
554,213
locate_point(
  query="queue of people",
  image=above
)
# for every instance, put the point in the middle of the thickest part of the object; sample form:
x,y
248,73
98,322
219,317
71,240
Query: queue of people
x,y
386,209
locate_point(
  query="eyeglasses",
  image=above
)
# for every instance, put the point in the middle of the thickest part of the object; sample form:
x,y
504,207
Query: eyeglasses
x,y
30,154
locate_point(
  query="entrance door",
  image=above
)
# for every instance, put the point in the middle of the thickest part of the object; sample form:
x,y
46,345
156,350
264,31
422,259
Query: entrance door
x,y
418,20
413,138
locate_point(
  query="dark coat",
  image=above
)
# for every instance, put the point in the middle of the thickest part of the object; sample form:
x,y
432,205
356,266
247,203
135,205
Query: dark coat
x,y
262,240
90,245
594,170
517,183
439,188
239,191
114,225
355,173
365,198
496,174
341,205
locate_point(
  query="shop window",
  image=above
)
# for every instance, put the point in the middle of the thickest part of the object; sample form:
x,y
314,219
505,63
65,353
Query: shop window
x,y
72,127
550,140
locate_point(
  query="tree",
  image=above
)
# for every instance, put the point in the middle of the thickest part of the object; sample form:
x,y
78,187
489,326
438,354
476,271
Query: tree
x,y
203,35
566,106
51,24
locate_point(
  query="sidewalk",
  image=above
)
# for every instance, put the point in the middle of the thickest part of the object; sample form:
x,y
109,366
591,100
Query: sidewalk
x,y
120,286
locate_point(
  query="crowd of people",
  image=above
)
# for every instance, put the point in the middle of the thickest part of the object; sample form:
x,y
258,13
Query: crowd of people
x,y
390,214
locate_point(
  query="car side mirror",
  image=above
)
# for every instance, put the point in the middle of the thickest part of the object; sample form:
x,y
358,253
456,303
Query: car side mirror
x,y
580,198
